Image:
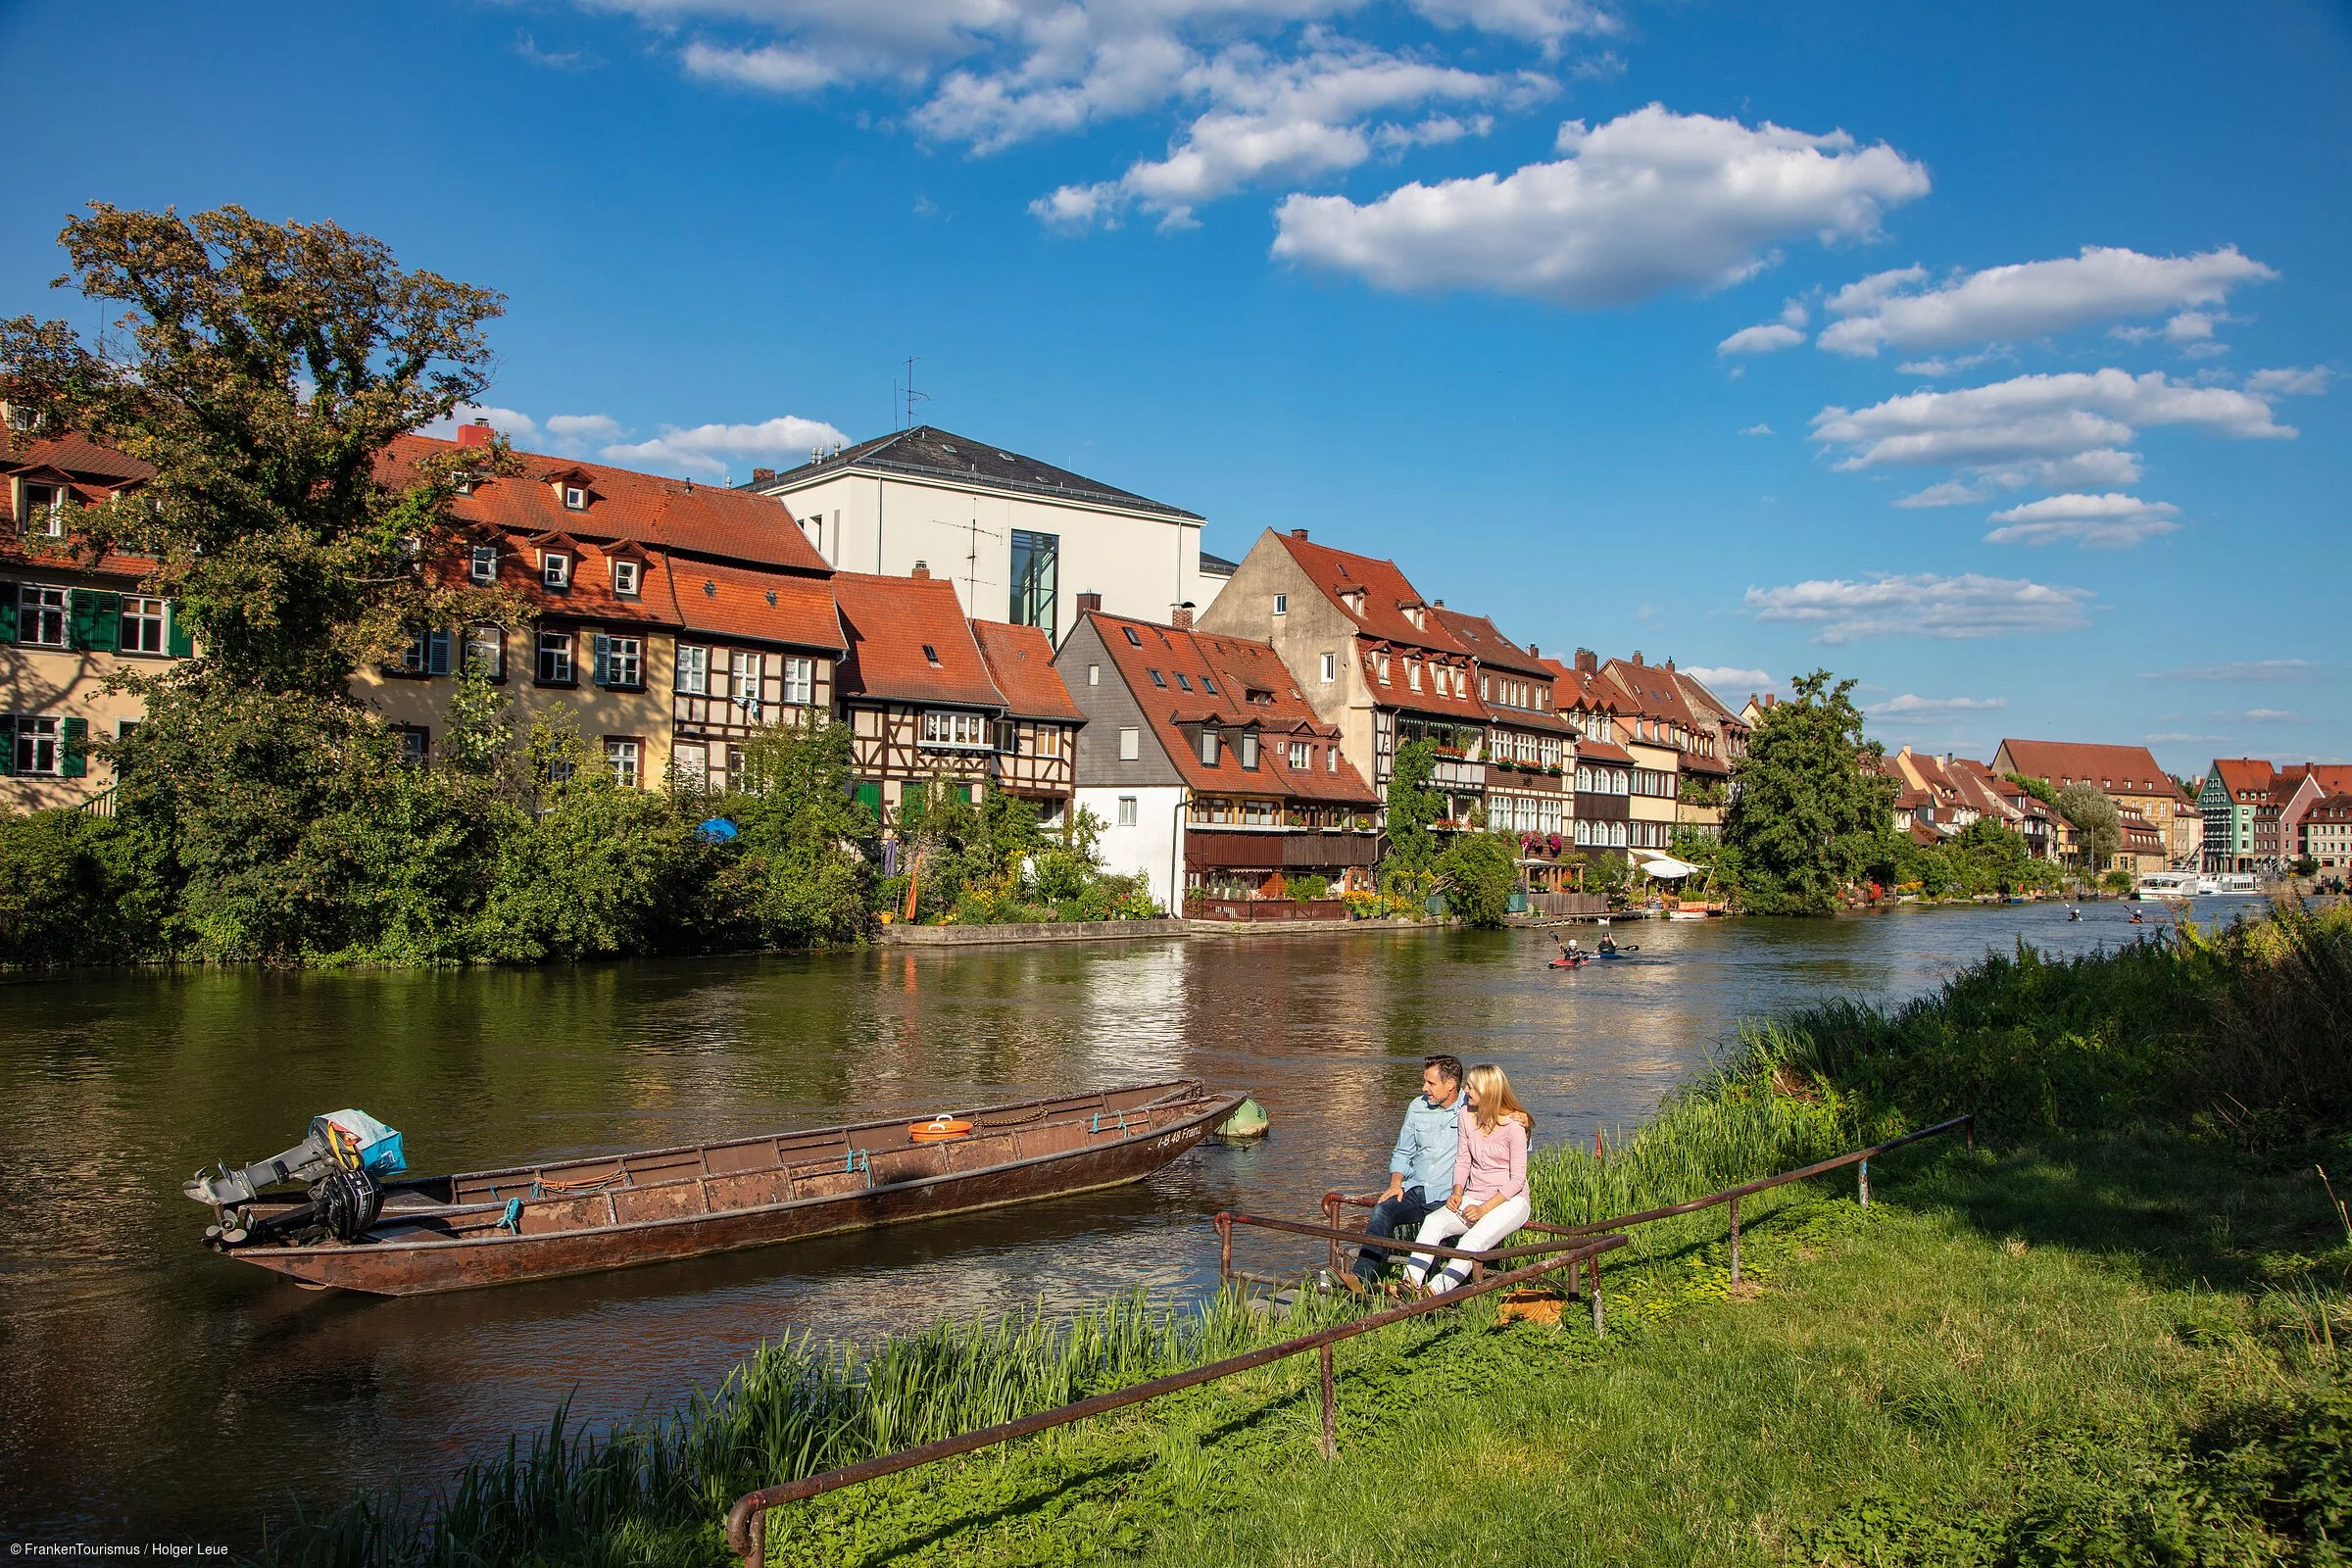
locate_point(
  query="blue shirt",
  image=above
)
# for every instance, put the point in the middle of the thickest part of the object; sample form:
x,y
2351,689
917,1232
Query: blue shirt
x,y
1425,1147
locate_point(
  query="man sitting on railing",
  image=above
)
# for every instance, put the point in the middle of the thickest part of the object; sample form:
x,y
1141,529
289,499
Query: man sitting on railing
x,y
1420,1167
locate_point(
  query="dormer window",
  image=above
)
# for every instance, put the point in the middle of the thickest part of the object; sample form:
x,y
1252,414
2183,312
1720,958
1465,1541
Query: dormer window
x,y
624,578
1412,673
1250,749
1210,743
44,512
555,569
483,567
575,498
464,487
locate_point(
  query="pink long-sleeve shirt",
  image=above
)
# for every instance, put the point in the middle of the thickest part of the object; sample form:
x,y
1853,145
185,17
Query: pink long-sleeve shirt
x,y
1490,1164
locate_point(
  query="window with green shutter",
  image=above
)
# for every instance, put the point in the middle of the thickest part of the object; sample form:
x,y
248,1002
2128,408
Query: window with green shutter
x,y
74,760
869,796
95,614
7,612
181,640
8,743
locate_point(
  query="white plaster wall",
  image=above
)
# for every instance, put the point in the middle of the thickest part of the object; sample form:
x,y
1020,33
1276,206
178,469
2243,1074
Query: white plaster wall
x,y
1142,565
1151,846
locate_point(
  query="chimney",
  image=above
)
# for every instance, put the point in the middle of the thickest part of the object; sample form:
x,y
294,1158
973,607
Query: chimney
x,y
1180,617
1637,656
1298,533
1087,602
476,433
1533,651
763,475
921,571
1670,664
1586,663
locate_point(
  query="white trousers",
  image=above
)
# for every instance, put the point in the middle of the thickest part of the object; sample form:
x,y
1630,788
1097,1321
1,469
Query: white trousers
x,y
1444,1225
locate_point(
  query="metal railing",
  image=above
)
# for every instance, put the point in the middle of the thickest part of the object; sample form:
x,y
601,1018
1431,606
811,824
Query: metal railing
x,y
1575,1247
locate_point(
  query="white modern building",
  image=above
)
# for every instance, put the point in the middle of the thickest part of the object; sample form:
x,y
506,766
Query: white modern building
x,y
1020,539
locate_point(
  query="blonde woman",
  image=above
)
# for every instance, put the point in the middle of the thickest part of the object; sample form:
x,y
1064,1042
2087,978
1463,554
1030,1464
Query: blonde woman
x,y
1489,1178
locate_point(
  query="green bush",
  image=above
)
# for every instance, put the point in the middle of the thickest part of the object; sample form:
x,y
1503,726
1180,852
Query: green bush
x,y
1478,873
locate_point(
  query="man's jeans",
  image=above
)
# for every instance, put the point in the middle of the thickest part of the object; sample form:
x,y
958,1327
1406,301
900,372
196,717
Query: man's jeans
x,y
1392,1216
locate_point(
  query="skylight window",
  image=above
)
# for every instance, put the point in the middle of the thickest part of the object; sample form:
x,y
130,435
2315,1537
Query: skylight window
x,y
1157,679
1182,682
1208,686
1133,641
931,653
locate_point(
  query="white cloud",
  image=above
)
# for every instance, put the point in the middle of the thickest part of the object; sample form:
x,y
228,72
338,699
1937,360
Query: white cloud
x,y
1650,201
1950,493
1924,604
1912,705
1271,118
1937,366
1758,429
2114,521
772,69
1764,339
1543,21
2307,382
705,448
1725,679
2060,432
583,426
2031,298
2244,669
2273,715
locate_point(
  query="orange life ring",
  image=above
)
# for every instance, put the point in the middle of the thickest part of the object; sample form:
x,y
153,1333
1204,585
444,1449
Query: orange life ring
x,y
937,1130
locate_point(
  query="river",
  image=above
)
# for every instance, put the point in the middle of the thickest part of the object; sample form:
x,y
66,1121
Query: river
x,y
152,1391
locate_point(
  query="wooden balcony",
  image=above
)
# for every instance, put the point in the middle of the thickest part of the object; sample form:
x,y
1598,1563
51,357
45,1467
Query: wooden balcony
x,y
1304,849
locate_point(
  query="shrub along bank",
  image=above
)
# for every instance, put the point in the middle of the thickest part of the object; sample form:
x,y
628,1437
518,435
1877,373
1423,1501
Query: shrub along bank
x,y
522,847
2112,1335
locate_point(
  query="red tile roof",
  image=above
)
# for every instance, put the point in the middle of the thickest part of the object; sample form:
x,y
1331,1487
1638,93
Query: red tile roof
x,y
2133,769
73,453
1654,691
890,621
1021,661
1237,682
676,515
2245,778
1604,752
1386,595
93,473
1483,638
771,606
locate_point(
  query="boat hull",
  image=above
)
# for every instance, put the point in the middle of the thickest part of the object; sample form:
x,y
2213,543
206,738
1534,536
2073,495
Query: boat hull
x,y
912,1183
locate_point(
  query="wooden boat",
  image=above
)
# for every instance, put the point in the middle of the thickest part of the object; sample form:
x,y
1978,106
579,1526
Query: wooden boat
x,y
577,1216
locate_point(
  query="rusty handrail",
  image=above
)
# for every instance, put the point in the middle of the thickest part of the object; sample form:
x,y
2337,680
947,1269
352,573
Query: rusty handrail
x,y
747,1520
747,1528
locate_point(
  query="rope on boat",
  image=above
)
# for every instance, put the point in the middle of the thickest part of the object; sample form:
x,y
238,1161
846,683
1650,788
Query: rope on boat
x,y
512,1220
542,1185
1095,1125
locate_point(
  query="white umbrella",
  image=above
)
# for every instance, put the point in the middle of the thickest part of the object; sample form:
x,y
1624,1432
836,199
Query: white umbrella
x,y
1666,868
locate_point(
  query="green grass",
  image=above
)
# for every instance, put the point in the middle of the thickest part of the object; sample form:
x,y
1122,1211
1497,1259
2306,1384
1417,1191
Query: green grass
x,y
2112,1335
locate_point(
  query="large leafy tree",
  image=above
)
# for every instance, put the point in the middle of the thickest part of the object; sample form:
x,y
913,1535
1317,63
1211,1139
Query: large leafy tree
x,y
1479,872
2099,823
264,368
1810,801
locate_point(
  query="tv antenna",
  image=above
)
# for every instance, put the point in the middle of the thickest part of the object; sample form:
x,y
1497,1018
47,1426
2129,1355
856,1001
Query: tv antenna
x,y
973,535
902,398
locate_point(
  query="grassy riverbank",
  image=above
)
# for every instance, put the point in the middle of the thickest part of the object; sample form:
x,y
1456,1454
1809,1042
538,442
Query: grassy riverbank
x,y
2111,1336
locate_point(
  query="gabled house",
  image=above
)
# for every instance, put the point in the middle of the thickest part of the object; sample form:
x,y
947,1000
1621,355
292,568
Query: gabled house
x,y
69,617
2240,814
2300,787
1600,814
1656,725
2324,832
1218,778
1370,654
1027,536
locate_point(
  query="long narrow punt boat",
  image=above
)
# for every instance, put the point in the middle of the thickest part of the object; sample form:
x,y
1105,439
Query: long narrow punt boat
x,y
533,1222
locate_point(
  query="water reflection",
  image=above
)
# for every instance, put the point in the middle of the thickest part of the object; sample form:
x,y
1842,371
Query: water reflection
x,y
132,1357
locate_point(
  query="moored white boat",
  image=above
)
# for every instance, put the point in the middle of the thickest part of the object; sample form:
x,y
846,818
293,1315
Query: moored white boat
x,y
2168,885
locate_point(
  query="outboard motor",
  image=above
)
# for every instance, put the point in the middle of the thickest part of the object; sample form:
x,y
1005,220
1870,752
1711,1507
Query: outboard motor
x,y
342,1163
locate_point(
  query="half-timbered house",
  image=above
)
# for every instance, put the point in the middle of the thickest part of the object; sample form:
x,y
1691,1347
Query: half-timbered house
x,y
1037,739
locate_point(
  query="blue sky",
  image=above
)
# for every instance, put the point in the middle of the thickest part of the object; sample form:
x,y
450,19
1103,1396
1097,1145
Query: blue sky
x,y
1634,324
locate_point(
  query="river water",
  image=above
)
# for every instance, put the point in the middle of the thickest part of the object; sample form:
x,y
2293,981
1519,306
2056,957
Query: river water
x,y
151,1391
